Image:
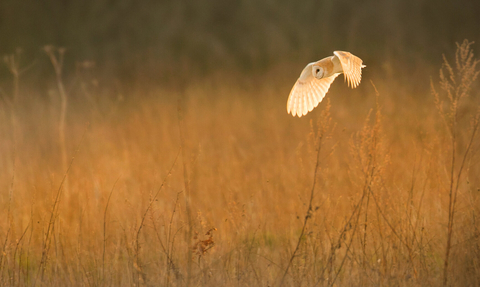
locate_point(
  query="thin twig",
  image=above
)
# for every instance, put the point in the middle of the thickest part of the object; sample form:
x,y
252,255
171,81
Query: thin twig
x,y
105,231
152,200
51,222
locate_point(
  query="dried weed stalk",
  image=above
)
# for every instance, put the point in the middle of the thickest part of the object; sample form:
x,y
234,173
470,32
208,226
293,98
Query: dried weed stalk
x,y
318,135
456,84
56,56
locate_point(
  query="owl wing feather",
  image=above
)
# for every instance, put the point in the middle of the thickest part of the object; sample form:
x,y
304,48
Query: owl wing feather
x,y
307,93
352,67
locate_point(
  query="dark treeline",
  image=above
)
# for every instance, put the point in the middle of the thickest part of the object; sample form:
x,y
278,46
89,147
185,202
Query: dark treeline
x,y
129,39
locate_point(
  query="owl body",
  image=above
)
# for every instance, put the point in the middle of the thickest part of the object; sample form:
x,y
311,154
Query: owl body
x,y
316,78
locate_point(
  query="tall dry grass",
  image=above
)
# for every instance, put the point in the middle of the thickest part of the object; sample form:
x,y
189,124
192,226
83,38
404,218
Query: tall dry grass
x,y
223,188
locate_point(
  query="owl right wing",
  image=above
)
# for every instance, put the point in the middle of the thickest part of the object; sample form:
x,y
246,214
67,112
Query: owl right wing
x,y
352,67
307,93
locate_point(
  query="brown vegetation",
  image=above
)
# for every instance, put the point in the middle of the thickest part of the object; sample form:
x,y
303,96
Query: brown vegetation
x,y
213,184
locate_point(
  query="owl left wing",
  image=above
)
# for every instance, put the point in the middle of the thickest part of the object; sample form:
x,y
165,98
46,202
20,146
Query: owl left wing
x,y
307,93
352,67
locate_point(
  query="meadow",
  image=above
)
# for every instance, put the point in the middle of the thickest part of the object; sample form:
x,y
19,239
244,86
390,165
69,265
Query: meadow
x,y
211,183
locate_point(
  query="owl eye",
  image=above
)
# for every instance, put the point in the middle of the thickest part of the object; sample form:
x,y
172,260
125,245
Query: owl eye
x,y
318,72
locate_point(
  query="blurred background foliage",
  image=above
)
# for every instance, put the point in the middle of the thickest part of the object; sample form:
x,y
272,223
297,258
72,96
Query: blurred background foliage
x,y
160,41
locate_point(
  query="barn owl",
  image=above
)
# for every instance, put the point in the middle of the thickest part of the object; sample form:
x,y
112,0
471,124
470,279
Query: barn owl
x,y
316,78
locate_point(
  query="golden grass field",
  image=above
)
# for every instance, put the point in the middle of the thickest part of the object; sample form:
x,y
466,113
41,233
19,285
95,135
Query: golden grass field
x,y
212,183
